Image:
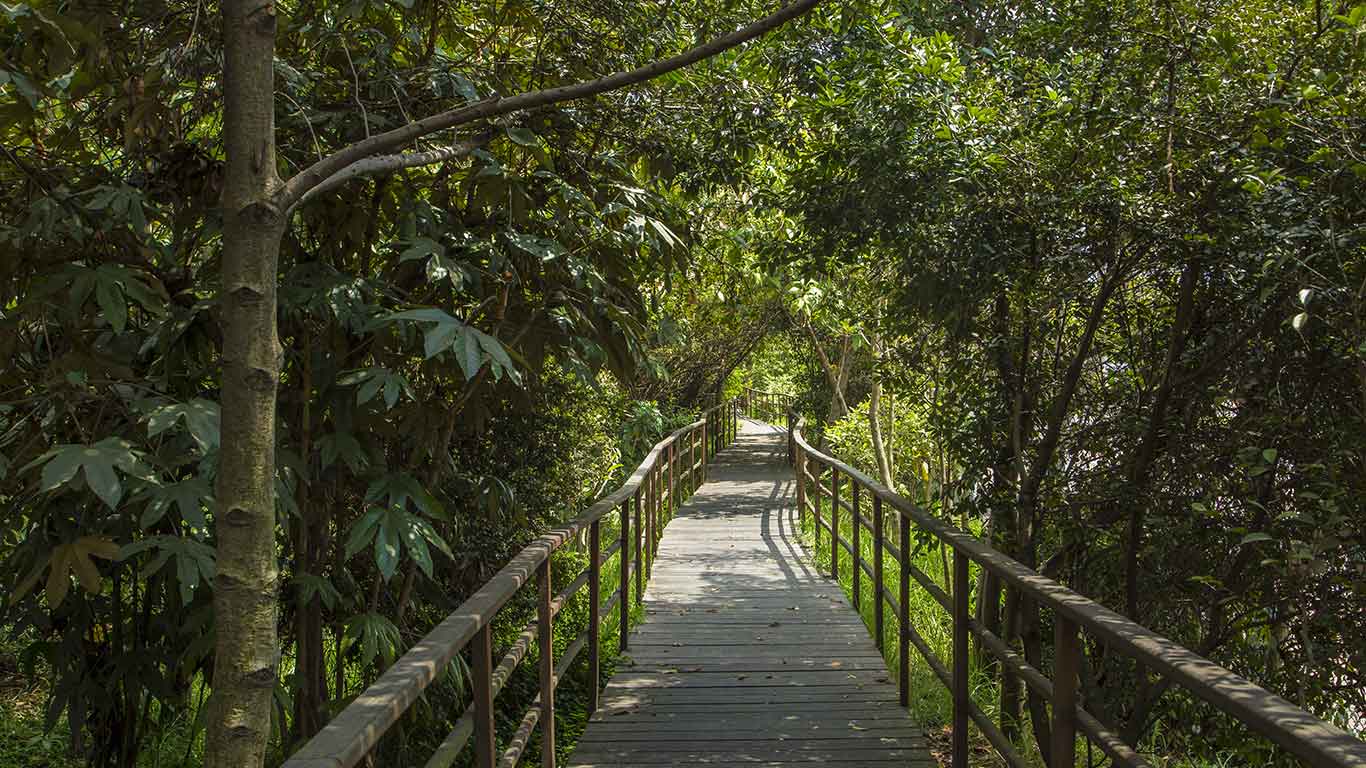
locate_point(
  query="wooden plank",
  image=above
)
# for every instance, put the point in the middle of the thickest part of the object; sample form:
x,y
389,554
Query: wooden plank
x,y
747,655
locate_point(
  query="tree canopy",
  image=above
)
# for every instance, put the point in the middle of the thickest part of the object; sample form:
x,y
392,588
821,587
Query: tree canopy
x,y
1088,279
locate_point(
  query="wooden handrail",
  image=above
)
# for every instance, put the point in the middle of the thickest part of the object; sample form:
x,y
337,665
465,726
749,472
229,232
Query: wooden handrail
x,y
660,483
1318,743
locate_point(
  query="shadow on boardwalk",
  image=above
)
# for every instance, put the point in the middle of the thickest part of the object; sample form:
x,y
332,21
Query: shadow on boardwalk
x,y
748,656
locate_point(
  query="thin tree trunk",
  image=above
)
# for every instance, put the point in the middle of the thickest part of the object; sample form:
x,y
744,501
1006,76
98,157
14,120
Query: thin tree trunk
x,y
1147,450
880,451
245,587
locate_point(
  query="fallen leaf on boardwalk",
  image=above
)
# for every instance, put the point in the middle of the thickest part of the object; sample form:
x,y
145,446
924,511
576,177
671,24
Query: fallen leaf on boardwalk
x,y
856,726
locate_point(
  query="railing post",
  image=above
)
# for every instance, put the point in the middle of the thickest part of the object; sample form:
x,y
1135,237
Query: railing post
x,y
594,610
624,605
673,478
639,554
855,541
834,524
816,510
481,670
799,469
903,618
692,462
705,419
878,582
656,530
649,485
545,638
1066,665
962,586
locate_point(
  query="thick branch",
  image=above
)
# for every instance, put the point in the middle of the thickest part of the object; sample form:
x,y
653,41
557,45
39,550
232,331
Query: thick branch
x,y
381,164
389,141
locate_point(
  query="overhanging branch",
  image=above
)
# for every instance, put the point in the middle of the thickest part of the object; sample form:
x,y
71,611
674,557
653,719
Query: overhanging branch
x,y
378,164
320,172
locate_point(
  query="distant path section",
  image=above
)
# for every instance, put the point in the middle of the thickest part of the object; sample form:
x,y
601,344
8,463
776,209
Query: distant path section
x,y
748,656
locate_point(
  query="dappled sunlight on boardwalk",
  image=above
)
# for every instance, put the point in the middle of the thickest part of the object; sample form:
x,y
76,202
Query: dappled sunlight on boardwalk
x,y
748,656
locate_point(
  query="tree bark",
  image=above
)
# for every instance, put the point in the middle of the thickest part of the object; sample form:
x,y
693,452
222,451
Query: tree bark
x,y
880,451
245,599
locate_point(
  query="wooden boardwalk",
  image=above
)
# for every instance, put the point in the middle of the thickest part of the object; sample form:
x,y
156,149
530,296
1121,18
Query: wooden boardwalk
x,y
747,656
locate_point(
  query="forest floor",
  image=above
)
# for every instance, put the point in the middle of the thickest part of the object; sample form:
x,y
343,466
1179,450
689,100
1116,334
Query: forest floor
x,y
24,742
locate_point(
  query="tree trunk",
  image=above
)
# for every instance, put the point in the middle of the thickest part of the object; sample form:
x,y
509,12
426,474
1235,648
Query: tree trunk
x,y
247,579
880,451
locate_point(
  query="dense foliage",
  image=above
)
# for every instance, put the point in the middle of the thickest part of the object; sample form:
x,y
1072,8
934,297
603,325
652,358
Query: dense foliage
x,y
1092,275
1109,259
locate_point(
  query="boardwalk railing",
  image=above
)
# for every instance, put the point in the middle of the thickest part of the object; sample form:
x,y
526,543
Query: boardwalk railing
x,y
672,471
820,477
768,406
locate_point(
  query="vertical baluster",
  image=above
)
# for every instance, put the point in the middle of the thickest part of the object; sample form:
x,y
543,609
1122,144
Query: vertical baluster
x,y
961,589
816,508
799,470
624,605
640,563
594,610
649,519
903,618
545,638
481,670
834,523
692,461
857,519
704,450
1066,665
660,509
673,478
878,580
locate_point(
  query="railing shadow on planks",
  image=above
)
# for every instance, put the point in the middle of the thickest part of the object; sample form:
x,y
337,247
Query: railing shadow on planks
x,y
671,472
1315,742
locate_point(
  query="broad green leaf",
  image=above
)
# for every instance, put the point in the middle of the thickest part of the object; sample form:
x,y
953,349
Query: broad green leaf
x,y
201,418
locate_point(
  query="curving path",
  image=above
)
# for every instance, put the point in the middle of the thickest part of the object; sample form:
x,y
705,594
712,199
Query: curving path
x,y
747,656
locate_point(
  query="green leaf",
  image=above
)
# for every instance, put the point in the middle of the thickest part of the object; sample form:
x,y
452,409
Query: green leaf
x,y
522,136
103,481
1253,538
112,304
201,418
439,337
388,542
363,531
186,496
98,462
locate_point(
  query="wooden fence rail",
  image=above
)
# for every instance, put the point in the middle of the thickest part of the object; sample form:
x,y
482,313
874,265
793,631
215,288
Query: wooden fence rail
x,y
820,477
672,471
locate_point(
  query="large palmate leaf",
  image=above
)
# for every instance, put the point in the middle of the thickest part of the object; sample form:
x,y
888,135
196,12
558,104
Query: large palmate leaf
x,y
100,465
69,560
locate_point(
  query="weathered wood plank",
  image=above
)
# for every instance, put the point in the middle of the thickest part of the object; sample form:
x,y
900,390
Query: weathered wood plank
x,y
747,656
